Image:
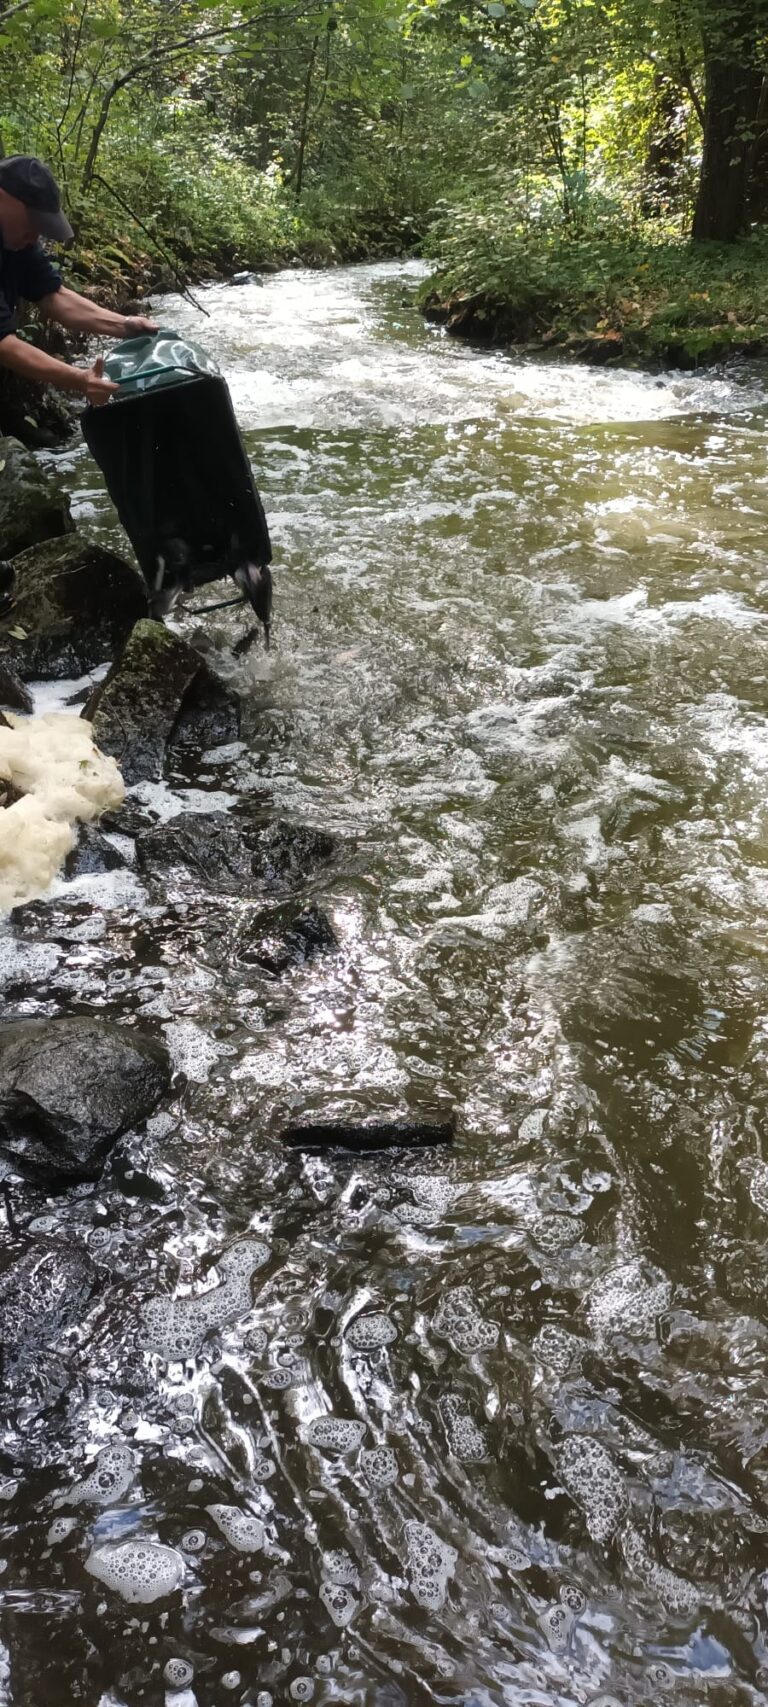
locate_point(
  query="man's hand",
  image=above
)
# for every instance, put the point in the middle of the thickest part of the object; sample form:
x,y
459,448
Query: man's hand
x,y
133,324
96,388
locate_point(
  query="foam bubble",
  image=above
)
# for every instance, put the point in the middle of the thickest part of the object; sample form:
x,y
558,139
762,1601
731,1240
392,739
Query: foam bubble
x,y
112,1475
370,1333
592,1479
628,1300
557,1348
264,1699
458,1321
557,1232
339,1567
178,1673
336,1434
243,1531
302,1689
278,1380
175,1328
340,1602
9,1487
60,1529
465,1439
139,1571
379,1466
431,1563
572,1597
256,1340
557,1623
677,1594
230,1680
194,1541
262,1468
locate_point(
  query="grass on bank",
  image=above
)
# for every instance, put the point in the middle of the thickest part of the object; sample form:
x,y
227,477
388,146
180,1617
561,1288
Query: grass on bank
x,y
642,295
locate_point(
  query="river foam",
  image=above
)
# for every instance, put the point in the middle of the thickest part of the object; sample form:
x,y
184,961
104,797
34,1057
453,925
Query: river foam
x,y
52,762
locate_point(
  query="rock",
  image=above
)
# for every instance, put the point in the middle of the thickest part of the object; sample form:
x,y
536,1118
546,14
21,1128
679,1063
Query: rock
x,y
44,1288
32,506
156,687
73,606
13,693
69,1088
93,854
288,852
308,934
229,855
209,844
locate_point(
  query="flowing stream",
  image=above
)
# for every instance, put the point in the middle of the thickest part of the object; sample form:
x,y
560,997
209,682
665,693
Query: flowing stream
x,y
520,674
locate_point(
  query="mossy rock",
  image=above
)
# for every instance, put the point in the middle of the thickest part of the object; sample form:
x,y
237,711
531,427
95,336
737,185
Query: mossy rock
x,y
158,685
74,605
32,505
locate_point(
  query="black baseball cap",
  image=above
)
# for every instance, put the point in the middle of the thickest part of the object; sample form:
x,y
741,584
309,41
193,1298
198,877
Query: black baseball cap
x,y
26,178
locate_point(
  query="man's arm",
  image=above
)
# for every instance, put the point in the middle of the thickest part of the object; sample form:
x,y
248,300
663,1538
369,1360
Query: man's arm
x,y
79,314
35,365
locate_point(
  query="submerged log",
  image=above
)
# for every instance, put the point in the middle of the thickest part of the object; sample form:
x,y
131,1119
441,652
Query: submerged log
x,y
364,1136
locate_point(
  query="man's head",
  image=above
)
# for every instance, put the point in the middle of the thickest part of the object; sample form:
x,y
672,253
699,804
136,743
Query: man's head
x,y
30,204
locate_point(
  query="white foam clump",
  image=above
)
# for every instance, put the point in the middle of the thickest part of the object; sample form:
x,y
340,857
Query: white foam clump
x,y
243,1531
558,1348
336,1434
339,1567
628,1300
465,1440
371,1332
60,1529
178,1673
110,1478
175,1328
431,1563
339,1602
458,1321
139,1571
592,1479
677,1595
379,1466
53,763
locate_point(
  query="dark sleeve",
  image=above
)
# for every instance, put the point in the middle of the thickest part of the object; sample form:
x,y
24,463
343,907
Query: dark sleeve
x,y
7,318
37,277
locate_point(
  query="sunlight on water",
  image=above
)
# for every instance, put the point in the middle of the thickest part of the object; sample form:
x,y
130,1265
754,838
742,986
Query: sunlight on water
x,y
482,1425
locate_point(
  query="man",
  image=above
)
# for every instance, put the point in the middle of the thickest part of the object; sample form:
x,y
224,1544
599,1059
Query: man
x,y
30,208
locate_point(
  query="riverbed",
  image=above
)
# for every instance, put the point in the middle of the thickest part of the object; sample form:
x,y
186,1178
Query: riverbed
x,y
520,674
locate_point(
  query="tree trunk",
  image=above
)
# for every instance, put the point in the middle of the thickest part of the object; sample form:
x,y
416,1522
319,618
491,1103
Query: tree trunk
x,y
666,149
730,114
304,124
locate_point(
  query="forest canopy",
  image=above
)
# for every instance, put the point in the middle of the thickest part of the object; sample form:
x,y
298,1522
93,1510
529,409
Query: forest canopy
x,y
556,145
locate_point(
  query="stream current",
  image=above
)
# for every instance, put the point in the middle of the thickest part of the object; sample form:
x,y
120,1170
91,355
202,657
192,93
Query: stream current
x,y
485,1425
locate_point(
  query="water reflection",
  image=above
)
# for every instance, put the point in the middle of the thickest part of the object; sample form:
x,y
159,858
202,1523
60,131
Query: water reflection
x,y
492,1421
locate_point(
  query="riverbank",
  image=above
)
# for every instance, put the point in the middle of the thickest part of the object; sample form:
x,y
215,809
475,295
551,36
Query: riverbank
x,y
605,300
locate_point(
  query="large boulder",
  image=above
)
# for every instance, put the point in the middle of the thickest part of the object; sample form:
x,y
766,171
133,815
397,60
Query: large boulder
x,y
73,606
158,686
69,1088
13,693
33,507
